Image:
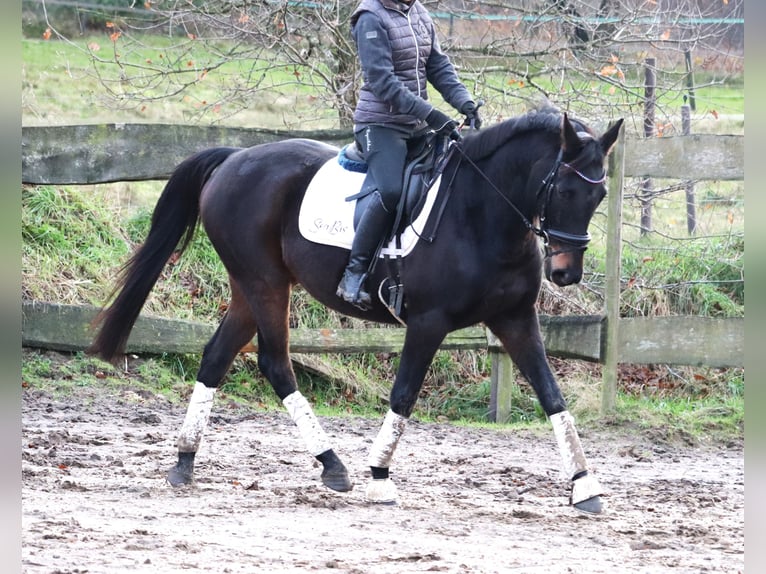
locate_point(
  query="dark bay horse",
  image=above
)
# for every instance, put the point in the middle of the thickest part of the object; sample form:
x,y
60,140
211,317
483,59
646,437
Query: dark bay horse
x,y
529,182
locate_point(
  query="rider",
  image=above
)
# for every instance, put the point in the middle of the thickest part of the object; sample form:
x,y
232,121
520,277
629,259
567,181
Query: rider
x,y
399,53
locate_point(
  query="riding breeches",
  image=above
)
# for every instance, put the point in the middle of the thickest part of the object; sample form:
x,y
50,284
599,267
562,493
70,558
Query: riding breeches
x,y
385,151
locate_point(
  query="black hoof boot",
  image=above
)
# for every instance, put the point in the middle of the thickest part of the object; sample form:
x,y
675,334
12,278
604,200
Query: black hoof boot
x,y
591,506
334,476
183,472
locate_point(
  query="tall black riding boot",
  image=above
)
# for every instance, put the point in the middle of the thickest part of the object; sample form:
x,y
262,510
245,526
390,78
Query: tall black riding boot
x,y
369,233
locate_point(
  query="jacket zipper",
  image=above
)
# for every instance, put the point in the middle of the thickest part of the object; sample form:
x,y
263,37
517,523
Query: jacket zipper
x,y
417,51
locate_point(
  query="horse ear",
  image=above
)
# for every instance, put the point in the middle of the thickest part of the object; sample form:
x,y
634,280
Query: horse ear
x,y
570,141
610,137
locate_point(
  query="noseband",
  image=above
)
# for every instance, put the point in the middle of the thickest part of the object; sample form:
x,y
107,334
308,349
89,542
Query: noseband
x,y
576,241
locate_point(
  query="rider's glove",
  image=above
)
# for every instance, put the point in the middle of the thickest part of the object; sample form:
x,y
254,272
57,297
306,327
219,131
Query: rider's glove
x,y
471,112
442,123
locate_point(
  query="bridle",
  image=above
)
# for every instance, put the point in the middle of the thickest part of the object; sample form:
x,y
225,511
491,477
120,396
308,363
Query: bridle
x,y
577,242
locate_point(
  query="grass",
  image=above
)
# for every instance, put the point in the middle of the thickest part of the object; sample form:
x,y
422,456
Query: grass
x,y
75,238
698,421
61,85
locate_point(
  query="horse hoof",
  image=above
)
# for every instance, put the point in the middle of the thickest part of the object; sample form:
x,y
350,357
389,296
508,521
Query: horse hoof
x,y
178,478
590,506
382,491
183,472
337,480
586,494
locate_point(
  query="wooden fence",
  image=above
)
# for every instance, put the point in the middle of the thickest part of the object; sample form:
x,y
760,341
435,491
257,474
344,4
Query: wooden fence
x,y
89,154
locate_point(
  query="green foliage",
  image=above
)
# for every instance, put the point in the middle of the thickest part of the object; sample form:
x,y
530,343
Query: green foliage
x,y
68,241
687,278
71,19
710,419
61,84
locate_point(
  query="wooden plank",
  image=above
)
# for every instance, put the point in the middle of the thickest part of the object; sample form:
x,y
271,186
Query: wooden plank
x,y
102,153
578,337
571,336
683,340
67,328
667,340
697,156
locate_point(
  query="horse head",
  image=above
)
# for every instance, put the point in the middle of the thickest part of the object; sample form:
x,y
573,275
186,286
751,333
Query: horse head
x,y
570,195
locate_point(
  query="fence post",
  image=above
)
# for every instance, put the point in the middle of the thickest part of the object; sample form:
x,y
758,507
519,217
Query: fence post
x,y
613,274
690,78
502,380
650,81
691,209
501,386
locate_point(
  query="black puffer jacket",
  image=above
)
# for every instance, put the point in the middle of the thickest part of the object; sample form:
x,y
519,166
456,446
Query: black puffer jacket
x,y
399,54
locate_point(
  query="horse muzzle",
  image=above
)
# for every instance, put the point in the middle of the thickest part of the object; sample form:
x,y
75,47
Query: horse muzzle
x,y
564,268
564,257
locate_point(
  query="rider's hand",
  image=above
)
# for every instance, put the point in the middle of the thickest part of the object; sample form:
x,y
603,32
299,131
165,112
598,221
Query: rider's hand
x,y
442,123
471,112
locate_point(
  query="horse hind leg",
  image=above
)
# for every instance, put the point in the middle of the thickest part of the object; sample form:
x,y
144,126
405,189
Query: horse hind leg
x,y
274,362
334,473
235,330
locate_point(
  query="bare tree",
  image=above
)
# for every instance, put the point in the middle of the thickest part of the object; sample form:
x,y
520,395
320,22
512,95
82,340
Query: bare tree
x,y
583,54
591,55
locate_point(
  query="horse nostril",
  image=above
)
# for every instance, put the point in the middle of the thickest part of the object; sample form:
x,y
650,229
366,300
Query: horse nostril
x,y
558,276
563,277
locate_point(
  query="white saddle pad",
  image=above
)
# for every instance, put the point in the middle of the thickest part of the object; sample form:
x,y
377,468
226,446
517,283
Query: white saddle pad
x,y
327,218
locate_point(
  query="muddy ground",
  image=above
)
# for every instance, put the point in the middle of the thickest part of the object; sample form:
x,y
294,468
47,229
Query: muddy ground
x,y
95,498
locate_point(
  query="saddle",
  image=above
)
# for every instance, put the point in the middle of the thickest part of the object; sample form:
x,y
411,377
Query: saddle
x,y
424,164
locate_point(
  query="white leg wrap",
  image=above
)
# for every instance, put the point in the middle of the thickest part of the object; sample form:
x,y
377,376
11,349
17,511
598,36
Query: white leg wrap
x,y
573,457
388,437
381,491
197,415
569,444
303,416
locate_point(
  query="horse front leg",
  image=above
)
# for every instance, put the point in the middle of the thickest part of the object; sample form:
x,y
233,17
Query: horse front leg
x,y
522,340
420,346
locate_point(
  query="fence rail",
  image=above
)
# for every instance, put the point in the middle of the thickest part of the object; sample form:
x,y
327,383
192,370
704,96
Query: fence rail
x,y
89,154
667,340
103,153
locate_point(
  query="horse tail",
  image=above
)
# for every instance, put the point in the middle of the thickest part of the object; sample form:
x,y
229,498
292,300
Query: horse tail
x,y
173,224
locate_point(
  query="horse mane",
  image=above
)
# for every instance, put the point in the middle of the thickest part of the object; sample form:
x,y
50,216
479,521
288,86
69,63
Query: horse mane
x,y
544,118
